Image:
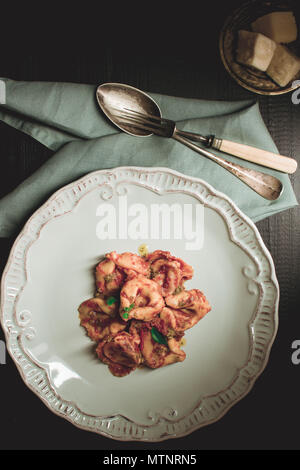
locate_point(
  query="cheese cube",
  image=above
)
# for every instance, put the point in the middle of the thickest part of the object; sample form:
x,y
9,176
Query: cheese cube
x,y
255,50
284,66
280,26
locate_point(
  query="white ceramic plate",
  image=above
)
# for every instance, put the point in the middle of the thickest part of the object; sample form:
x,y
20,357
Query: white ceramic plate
x,y
50,272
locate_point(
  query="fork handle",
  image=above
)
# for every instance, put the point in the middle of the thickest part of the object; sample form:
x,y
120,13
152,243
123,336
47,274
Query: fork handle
x,y
245,152
265,185
255,155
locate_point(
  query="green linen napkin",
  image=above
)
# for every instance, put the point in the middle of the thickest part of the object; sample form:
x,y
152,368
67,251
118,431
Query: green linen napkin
x,y
65,117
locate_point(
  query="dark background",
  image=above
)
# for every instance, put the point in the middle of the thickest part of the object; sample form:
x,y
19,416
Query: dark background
x,y
184,62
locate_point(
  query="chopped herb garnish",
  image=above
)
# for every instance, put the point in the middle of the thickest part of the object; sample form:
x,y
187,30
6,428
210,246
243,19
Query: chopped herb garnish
x,y
143,250
126,311
111,300
158,337
152,273
178,290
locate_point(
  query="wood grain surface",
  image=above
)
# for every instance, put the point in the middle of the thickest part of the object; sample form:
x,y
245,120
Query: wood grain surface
x,y
267,418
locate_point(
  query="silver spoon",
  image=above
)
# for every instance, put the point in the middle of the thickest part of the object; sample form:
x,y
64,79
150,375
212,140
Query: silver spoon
x,y
112,97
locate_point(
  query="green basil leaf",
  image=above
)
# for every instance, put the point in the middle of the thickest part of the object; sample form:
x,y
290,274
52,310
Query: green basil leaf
x,y
158,337
111,300
127,310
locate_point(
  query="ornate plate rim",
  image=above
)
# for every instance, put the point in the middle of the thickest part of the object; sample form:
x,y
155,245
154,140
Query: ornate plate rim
x,y
36,379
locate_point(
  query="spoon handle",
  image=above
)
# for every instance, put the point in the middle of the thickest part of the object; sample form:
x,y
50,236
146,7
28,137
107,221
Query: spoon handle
x,y
265,185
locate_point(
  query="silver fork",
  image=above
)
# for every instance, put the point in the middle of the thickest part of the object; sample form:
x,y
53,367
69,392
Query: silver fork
x,y
265,185
167,128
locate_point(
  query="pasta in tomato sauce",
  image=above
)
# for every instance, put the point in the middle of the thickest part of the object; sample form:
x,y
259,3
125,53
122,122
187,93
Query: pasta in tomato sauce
x,y
141,310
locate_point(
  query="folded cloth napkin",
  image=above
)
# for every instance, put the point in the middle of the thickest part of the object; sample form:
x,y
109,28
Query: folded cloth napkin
x,y
65,117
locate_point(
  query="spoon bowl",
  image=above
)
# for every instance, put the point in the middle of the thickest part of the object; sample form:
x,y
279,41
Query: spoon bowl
x,y
113,97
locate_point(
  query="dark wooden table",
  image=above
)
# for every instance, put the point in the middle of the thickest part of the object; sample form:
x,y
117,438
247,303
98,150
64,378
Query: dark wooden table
x,y
267,418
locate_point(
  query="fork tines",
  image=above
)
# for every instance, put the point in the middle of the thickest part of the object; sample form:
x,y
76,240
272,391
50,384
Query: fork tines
x,y
143,121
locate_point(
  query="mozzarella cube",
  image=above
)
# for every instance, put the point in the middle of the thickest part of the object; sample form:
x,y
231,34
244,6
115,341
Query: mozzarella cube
x,y
255,50
280,26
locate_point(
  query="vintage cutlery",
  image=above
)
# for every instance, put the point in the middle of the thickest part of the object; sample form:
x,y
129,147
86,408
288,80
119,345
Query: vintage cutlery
x,y
167,127
126,106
